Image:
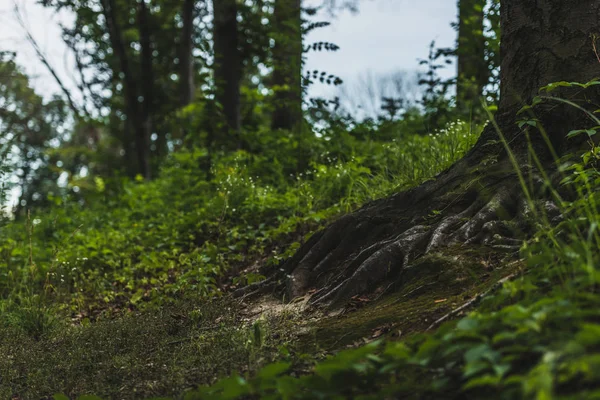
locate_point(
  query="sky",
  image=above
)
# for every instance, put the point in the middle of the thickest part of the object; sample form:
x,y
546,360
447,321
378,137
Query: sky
x,y
384,37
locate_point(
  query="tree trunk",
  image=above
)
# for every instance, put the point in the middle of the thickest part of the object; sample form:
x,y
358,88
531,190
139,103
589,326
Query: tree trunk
x,y
480,198
186,76
472,71
287,63
147,75
228,64
133,107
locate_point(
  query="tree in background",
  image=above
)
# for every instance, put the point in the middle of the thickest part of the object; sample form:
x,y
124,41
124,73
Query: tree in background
x,y
29,129
138,94
477,53
140,63
227,63
379,96
287,65
186,53
126,53
472,68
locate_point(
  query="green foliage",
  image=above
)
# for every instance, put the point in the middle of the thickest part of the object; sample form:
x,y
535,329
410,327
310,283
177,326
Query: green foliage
x,y
28,126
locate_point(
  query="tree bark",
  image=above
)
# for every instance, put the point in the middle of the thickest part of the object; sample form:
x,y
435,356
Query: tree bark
x,y
287,65
542,43
186,76
472,74
480,198
228,63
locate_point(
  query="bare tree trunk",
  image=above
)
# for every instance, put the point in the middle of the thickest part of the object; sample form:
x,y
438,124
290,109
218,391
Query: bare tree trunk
x,y
147,75
132,103
228,63
287,61
472,73
482,202
186,76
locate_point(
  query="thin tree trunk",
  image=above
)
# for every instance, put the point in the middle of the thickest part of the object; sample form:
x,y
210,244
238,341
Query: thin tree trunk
x,y
228,64
186,76
132,104
287,62
472,71
147,75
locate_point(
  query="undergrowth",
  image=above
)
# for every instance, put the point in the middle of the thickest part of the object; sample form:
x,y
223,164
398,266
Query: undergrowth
x,y
188,235
536,336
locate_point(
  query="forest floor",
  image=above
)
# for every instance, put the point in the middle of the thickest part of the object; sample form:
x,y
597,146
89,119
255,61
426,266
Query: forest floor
x,y
169,351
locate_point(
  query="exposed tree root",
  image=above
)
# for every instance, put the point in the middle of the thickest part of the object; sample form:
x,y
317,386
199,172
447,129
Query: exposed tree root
x,y
376,245
374,248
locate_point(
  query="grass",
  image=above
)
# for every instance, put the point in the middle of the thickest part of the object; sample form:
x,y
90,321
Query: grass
x,y
162,352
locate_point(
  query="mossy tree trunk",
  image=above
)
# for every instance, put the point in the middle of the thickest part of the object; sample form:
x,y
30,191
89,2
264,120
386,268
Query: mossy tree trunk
x,y
287,65
478,200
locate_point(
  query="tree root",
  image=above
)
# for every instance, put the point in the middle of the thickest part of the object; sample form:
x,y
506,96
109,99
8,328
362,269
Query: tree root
x,y
356,256
375,247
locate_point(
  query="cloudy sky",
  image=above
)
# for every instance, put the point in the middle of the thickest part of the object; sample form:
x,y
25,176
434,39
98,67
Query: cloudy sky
x,y
385,36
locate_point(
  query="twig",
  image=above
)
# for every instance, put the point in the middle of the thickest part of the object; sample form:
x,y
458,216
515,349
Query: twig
x,y
594,38
469,303
340,339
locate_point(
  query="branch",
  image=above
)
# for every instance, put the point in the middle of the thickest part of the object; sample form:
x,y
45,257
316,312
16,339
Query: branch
x,y
474,300
82,84
42,57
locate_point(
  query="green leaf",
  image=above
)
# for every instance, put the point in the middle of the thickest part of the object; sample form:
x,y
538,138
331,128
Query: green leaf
x,y
481,352
485,380
273,370
287,386
589,335
467,324
575,132
60,397
552,86
474,368
523,109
